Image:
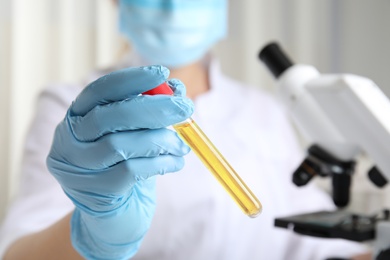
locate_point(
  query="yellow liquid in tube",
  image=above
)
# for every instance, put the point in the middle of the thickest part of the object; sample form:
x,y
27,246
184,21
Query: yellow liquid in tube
x,y
190,132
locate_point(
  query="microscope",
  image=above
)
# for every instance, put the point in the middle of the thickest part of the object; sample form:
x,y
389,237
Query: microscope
x,y
342,116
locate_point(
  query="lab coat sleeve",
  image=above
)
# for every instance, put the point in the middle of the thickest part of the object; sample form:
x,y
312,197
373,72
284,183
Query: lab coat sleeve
x,y
40,201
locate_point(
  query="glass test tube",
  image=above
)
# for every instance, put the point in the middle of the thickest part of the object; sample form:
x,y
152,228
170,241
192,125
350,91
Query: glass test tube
x,y
190,132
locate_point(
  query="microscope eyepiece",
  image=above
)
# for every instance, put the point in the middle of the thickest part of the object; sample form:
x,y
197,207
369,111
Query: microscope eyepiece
x,y
275,59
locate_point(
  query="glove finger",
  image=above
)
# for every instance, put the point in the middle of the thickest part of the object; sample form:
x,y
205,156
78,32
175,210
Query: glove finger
x,y
142,112
97,204
178,87
109,187
119,85
114,148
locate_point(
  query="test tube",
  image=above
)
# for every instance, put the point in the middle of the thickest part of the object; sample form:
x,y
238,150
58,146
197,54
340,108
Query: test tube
x,y
190,132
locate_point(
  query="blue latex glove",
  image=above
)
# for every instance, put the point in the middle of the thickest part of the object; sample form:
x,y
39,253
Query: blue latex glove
x,y
106,153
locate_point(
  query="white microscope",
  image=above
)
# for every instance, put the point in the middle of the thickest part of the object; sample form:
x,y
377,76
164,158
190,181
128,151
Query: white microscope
x,y
342,116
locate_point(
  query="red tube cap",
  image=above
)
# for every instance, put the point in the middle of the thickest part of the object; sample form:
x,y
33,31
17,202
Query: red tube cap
x,y
162,89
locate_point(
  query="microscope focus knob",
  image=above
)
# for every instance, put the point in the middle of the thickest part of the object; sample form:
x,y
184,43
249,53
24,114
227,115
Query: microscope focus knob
x,y
377,177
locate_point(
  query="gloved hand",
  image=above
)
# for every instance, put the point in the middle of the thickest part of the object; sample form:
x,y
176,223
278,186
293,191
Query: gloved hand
x,y
106,153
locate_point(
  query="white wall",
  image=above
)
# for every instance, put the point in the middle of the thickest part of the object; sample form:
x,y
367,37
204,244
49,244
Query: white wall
x,y
4,102
365,40
42,41
335,36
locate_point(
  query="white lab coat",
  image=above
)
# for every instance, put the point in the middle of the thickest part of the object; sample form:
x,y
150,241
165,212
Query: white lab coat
x,y
195,218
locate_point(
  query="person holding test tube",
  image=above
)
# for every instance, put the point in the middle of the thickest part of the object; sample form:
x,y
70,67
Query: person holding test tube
x,y
95,182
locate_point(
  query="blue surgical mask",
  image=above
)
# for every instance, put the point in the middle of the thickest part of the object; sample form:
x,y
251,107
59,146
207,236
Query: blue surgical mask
x,y
173,33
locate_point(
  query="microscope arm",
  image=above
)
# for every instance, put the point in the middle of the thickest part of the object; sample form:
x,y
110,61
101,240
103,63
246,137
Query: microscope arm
x,y
359,110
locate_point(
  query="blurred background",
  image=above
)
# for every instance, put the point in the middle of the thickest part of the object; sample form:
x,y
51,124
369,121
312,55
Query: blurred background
x,y
47,41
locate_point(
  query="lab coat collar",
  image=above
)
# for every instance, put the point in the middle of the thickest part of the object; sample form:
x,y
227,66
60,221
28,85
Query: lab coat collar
x,y
211,105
